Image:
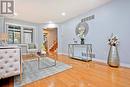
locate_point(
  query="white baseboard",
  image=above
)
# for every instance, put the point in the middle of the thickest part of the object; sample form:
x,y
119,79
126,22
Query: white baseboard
x,y
103,61
63,54
60,53
125,65
99,60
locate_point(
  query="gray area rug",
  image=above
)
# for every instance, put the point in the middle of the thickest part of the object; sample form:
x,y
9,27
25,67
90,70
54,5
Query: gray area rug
x,y
31,72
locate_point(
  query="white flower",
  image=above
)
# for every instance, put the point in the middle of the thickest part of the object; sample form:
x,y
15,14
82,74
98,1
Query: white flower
x,y
113,41
81,35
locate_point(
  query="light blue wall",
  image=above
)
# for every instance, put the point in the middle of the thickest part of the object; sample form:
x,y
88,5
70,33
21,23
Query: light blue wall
x,y
110,18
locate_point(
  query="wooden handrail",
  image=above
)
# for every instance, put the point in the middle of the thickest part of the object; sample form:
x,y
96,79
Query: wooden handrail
x,y
54,47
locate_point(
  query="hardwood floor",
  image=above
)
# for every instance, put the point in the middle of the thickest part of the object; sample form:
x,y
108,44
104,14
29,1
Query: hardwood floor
x,y
83,74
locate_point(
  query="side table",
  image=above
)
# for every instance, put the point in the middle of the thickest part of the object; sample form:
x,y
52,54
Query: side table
x,y
42,59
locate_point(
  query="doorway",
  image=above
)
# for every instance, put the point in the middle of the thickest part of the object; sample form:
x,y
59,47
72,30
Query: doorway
x,y
50,40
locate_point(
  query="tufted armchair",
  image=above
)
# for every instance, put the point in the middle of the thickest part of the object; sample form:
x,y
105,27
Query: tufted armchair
x,y
9,61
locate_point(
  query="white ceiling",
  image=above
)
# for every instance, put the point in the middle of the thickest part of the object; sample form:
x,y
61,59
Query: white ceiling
x,y
41,11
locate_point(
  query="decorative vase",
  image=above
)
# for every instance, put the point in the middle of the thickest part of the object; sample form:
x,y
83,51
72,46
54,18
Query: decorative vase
x,y
82,40
113,57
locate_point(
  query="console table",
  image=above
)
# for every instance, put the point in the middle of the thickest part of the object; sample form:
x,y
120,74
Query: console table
x,y
80,51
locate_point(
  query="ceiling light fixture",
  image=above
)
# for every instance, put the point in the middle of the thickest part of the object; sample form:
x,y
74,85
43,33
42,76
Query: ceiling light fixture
x,y
63,14
51,26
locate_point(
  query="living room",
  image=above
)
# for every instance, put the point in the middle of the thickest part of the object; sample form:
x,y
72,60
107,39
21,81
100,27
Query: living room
x,y
47,43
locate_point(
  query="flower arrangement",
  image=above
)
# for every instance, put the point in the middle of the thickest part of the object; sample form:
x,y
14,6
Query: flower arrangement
x,y
81,32
113,41
81,36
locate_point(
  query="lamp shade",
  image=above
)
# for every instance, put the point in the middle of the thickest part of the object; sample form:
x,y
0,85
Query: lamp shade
x,y
3,36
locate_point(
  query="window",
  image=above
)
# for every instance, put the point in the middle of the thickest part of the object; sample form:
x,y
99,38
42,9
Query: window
x,y
14,33
28,35
19,34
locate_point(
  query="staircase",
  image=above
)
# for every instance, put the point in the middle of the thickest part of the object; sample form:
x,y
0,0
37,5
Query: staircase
x,y
54,47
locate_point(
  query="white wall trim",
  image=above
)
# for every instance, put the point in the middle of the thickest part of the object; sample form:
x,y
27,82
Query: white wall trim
x,y
17,24
65,54
125,65
99,60
60,53
104,61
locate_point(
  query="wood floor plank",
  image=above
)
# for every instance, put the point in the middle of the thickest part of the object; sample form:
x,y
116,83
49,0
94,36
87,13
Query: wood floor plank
x,y
83,74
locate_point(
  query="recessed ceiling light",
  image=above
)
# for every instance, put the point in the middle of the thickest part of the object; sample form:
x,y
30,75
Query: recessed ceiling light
x,y
15,14
63,14
50,22
50,25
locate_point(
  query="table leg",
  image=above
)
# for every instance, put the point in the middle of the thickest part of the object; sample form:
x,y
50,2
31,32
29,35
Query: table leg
x,y
47,66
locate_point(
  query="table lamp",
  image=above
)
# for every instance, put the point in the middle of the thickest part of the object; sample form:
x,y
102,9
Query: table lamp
x,y
4,38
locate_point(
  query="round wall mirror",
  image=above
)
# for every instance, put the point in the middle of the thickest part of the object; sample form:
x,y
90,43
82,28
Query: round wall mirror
x,y
82,29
